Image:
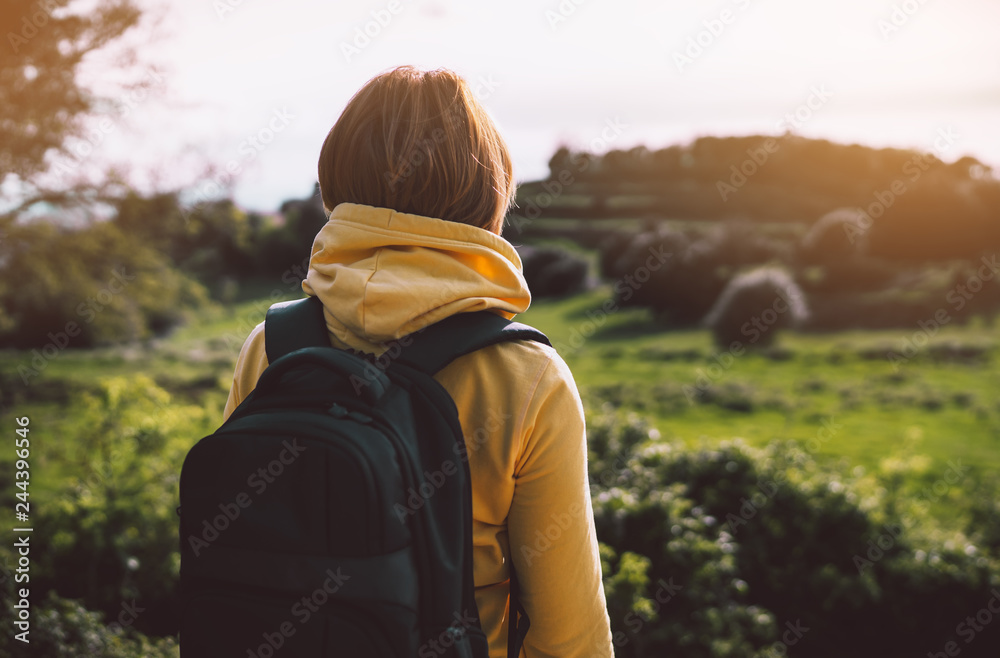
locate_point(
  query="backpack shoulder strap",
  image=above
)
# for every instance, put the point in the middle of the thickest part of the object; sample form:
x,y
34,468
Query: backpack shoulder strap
x,y
290,326
437,345
300,323
517,619
434,347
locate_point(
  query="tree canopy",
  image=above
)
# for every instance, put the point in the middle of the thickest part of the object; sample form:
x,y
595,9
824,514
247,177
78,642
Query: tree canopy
x,y
42,102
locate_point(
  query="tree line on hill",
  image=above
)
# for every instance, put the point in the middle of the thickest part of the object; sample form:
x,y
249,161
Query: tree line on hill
x,y
917,254
144,270
914,205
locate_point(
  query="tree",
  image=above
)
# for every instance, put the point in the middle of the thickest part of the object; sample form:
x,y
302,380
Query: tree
x,y
42,103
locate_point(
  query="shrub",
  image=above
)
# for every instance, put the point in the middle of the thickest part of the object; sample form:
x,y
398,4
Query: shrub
x,y
837,236
111,534
62,628
686,274
612,250
754,306
738,244
553,272
681,284
762,540
91,286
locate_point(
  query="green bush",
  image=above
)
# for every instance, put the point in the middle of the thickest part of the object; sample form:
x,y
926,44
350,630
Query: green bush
x,y
837,236
111,534
745,545
668,272
87,287
754,306
680,276
675,589
62,628
553,272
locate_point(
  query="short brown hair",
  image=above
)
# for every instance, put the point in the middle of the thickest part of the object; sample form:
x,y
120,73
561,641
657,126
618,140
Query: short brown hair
x,y
419,142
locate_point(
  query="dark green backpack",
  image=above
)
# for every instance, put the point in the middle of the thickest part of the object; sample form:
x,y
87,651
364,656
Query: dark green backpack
x,y
331,514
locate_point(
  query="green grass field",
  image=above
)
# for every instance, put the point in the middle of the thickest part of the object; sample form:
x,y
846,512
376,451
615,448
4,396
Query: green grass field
x,y
943,408
836,394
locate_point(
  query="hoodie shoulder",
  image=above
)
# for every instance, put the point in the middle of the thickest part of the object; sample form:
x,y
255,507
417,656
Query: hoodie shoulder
x,y
251,363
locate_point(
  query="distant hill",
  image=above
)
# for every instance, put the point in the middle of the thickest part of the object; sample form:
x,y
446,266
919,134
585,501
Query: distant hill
x,y
917,206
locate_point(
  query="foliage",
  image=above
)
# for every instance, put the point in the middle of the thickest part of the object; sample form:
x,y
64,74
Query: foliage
x,y
661,507
63,628
681,283
149,268
112,532
83,287
679,274
756,542
918,207
754,306
837,236
42,104
553,272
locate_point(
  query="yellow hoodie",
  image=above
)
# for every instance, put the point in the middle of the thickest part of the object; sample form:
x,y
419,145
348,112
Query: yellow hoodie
x,y
381,275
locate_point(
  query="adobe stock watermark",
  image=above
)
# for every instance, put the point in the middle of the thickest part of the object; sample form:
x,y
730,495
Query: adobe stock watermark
x,y
879,546
433,481
971,626
913,169
559,522
666,591
365,34
250,147
562,13
88,310
758,156
790,637
958,297
376,364
424,150
612,471
421,152
954,475
829,427
624,289
225,7
82,147
302,610
770,487
712,29
754,329
259,480
555,186
32,22
757,501
447,638
128,615
292,277
902,13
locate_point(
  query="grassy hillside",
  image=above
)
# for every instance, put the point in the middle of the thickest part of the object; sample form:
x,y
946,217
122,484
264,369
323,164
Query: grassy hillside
x,y
837,394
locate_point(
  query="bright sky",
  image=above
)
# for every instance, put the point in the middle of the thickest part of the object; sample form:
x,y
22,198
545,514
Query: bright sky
x,y
554,72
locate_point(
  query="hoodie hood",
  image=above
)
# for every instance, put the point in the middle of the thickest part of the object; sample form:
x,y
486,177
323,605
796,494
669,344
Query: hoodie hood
x,y
382,274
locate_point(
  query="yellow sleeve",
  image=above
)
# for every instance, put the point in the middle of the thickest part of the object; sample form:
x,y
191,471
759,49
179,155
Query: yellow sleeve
x,y
553,543
249,366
